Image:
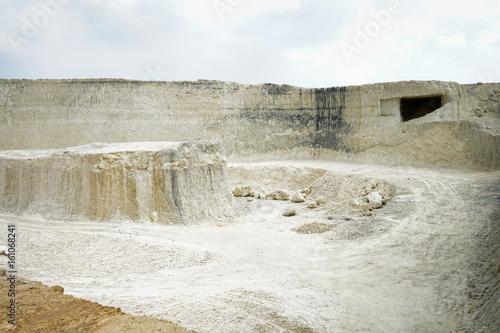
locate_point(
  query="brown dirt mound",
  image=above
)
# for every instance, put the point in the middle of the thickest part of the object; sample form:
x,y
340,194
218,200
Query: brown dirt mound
x,y
47,309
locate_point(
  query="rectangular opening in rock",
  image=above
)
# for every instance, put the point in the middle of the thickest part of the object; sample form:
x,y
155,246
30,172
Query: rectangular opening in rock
x,y
416,107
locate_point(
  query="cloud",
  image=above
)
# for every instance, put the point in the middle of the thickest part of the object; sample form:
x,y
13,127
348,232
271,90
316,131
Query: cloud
x,y
475,10
296,42
453,40
215,13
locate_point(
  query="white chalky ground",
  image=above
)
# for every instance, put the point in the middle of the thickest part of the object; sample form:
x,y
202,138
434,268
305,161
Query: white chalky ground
x,y
403,269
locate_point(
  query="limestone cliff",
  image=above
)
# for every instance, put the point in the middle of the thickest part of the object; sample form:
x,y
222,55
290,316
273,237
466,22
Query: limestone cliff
x,y
161,181
448,124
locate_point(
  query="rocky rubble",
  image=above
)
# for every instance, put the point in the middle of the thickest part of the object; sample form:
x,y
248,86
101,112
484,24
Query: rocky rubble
x,y
364,202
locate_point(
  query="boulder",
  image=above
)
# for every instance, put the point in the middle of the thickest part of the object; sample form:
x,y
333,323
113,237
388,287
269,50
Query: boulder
x,y
298,198
362,204
305,191
312,205
237,191
375,200
246,191
282,195
321,201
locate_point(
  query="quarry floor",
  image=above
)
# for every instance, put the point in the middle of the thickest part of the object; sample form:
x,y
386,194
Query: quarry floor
x,y
408,267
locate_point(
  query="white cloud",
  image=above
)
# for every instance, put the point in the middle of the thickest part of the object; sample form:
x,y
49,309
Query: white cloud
x,y
491,36
294,42
214,13
453,40
477,9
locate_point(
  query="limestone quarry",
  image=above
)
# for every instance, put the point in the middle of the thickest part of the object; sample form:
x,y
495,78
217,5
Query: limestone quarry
x,y
224,207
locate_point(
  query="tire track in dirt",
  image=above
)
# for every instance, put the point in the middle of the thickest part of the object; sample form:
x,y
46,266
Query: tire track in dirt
x,y
399,270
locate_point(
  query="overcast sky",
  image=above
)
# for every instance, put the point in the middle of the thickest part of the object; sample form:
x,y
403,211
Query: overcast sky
x,y
309,43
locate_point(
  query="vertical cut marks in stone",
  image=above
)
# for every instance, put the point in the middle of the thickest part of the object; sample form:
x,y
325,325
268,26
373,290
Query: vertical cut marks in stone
x,y
160,181
330,104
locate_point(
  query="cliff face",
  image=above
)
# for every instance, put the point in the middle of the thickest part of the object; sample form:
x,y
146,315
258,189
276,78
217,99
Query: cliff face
x,y
165,182
247,118
258,121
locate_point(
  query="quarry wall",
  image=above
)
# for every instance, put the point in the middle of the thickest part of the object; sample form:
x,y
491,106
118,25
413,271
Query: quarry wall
x,y
262,121
163,182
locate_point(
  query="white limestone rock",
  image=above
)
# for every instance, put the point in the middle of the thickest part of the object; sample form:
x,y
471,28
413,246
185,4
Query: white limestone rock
x,y
321,201
258,193
312,205
282,195
237,191
298,198
290,212
243,191
246,191
305,192
362,204
174,181
375,200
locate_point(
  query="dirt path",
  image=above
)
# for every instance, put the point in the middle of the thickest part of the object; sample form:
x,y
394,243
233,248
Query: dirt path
x,y
405,268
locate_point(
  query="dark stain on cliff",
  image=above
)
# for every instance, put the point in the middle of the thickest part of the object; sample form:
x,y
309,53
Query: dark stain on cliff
x,y
330,105
276,121
212,86
275,89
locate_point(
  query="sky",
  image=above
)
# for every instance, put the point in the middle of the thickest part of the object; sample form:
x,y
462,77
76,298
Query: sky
x,y
307,43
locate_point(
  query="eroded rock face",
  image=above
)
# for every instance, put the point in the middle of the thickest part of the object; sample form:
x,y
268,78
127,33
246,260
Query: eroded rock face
x,y
264,120
153,181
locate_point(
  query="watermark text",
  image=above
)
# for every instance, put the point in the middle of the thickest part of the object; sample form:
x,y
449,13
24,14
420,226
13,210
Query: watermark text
x,y
31,26
364,36
11,274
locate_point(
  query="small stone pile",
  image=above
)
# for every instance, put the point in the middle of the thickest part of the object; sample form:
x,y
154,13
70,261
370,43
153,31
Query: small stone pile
x,y
369,202
299,196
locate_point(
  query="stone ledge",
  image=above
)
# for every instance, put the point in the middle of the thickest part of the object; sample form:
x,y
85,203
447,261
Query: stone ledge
x,y
167,182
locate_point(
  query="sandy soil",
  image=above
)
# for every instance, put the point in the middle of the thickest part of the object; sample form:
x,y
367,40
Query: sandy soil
x,y
409,266
46,310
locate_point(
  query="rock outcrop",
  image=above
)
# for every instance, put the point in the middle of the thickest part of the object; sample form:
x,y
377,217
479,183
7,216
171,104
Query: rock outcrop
x,y
417,123
154,181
